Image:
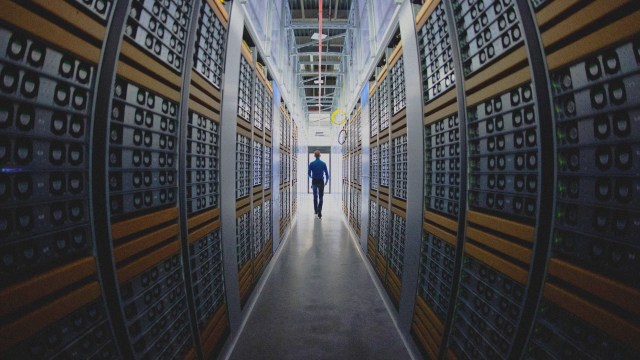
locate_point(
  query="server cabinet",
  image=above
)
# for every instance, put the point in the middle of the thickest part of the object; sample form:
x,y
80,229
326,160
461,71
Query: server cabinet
x,y
253,169
203,179
288,163
526,180
388,169
592,261
52,301
354,168
111,118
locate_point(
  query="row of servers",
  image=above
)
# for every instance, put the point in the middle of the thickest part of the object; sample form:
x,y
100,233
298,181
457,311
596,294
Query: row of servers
x,y
351,170
288,169
387,172
110,151
253,179
530,135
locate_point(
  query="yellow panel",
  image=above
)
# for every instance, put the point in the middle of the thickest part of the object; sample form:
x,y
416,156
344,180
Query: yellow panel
x,y
205,85
504,246
199,219
443,221
246,52
203,110
508,227
19,16
29,325
552,10
430,316
205,98
582,18
622,29
216,334
515,272
508,82
147,62
614,325
425,11
145,242
130,271
438,109
450,238
29,291
130,73
516,58
621,295
395,55
71,14
425,339
220,11
382,75
140,223
201,232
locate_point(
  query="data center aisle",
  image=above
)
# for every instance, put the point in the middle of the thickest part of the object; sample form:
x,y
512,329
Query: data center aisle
x,y
319,302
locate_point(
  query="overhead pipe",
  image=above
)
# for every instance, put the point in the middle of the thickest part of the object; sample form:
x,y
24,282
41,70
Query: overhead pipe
x,y
319,52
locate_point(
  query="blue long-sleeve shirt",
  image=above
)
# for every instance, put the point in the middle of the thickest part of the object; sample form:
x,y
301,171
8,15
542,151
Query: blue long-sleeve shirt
x,y
317,169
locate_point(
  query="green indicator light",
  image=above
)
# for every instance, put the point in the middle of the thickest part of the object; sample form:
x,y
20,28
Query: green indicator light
x,y
557,240
561,134
562,162
558,109
562,188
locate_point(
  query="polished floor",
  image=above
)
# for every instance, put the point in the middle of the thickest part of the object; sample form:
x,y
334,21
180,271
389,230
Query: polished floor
x,y
319,302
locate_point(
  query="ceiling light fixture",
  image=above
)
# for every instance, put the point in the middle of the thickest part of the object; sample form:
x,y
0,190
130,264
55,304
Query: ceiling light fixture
x,y
316,37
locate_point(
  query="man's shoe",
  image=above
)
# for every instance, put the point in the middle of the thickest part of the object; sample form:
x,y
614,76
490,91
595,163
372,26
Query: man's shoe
x,y
319,215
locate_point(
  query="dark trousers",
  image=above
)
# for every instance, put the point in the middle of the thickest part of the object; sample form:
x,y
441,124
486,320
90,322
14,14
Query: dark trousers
x,y
318,191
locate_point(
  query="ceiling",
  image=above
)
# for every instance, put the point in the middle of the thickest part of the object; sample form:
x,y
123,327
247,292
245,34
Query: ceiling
x,y
335,25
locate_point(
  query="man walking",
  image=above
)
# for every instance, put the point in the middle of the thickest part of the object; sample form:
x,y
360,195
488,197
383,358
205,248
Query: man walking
x,y
317,170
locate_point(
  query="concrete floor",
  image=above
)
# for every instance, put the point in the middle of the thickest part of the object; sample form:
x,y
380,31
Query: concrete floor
x,y
319,302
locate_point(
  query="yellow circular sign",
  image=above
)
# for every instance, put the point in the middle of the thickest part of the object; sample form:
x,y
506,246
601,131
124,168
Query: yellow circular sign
x,y
333,117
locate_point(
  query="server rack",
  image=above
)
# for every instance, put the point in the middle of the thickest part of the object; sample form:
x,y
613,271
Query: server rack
x,y
111,221
253,171
345,172
529,176
603,63
388,170
294,167
352,181
527,153
49,279
288,168
71,82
